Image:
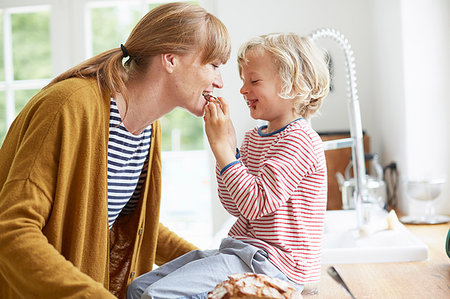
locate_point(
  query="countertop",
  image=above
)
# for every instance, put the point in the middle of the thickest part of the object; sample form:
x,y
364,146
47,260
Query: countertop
x,y
423,279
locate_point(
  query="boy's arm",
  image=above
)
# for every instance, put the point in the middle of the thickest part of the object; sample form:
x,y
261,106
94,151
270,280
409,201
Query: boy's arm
x,y
292,158
220,132
224,196
222,138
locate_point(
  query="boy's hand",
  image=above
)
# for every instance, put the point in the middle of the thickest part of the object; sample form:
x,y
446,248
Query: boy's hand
x,y
220,131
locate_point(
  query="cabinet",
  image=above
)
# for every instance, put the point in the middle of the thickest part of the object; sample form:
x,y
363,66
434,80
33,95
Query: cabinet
x,y
337,160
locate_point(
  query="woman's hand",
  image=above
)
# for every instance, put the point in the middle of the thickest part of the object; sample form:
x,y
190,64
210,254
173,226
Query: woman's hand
x,y
220,131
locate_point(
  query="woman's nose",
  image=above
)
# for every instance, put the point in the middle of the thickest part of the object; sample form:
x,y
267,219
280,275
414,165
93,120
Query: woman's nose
x,y
218,83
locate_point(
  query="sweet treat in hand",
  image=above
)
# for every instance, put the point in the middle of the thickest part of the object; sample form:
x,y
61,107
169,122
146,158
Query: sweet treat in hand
x,y
254,286
209,97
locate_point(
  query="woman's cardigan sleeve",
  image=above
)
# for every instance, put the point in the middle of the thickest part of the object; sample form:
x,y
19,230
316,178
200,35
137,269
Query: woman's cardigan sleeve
x,y
33,170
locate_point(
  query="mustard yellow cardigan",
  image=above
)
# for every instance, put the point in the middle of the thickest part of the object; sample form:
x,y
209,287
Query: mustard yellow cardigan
x,y
54,237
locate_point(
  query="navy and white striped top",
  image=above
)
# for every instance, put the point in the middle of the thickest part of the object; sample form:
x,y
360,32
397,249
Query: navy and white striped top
x,y
127,165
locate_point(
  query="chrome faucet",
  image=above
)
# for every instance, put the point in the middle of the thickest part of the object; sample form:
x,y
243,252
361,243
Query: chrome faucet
x,y
356,133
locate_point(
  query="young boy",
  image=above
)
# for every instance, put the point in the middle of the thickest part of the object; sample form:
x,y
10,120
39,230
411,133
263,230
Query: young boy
x,y
276,185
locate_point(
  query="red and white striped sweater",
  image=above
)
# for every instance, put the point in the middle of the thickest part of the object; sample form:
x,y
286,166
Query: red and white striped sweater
x,y
279,193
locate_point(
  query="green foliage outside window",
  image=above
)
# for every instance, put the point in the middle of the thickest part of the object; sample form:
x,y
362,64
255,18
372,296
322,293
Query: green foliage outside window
x,y
31,45
111,26
2,93
2,67
31,53
21,98
190,127
2,117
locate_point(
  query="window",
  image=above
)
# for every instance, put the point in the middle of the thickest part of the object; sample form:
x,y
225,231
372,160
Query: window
x,y
25,59
39,42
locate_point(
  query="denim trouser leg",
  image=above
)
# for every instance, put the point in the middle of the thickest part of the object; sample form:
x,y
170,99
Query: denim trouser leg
x,y
138,286
196,273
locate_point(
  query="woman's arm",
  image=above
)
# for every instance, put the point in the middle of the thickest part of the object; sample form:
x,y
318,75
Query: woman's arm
x,y
45,148
170,246
30,265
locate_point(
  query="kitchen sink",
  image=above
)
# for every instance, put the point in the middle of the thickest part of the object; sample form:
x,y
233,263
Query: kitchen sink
x,y
343,243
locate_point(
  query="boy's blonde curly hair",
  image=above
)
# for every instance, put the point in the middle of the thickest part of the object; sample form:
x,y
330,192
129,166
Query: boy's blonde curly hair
x,y
302,65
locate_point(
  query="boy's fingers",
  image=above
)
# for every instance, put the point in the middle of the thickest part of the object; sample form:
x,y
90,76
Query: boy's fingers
x,y
207,114
218,108
224,105
213,109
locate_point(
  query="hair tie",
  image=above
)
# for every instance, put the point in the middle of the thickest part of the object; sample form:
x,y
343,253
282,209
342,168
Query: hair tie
x,y
124,51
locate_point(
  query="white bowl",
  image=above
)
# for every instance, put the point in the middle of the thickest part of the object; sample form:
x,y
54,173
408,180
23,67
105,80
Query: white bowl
x,y
424,189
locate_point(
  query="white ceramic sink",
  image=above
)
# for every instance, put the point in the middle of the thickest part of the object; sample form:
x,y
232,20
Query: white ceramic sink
x,y
343,244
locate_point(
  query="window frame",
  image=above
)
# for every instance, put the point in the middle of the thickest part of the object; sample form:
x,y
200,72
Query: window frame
x,y
9,85
70,38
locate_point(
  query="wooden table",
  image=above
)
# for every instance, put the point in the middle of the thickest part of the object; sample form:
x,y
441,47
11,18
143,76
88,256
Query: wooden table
x,y
428,279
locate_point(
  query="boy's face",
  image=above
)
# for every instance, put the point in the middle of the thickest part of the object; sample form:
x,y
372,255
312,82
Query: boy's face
x,y
261,87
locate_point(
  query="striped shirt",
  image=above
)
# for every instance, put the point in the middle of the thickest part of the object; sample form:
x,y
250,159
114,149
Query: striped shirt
x,y
278,191
127,165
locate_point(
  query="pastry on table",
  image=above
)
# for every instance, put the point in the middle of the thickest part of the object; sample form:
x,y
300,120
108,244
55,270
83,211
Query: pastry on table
x,y
254,286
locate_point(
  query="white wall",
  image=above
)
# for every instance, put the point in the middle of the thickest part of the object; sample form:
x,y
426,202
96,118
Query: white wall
x,y
411,71
401,72
426,48
388,82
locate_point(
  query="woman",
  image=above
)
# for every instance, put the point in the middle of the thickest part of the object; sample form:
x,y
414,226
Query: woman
x,y
76,219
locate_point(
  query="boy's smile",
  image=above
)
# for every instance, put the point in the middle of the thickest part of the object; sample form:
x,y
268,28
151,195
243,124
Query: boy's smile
x,y
251,103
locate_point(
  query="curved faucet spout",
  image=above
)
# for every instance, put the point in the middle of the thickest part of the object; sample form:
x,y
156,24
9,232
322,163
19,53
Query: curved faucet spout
x,y
356,132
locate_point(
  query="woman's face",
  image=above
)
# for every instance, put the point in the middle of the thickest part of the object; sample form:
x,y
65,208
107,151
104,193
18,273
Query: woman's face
x,y
261,87
195,79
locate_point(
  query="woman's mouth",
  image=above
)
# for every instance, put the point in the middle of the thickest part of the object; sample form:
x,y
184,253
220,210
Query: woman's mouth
x,y
209,97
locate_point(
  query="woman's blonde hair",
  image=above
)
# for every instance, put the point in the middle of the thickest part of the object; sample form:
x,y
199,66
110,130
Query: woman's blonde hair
x,y
176,28
302,67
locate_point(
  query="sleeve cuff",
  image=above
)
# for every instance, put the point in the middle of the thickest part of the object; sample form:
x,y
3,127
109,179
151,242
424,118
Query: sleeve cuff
x,y
228,166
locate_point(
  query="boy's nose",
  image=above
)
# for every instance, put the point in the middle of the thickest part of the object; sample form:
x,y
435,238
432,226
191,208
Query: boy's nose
x,y
243,90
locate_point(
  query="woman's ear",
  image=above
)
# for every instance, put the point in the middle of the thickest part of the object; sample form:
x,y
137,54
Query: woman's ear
x,y
169,61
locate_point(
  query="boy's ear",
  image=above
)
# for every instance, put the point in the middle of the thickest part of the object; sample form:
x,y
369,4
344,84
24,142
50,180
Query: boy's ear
x,y
169,61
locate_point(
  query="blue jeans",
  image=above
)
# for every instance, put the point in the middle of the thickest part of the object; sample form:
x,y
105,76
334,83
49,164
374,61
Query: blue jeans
x,y
196,273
